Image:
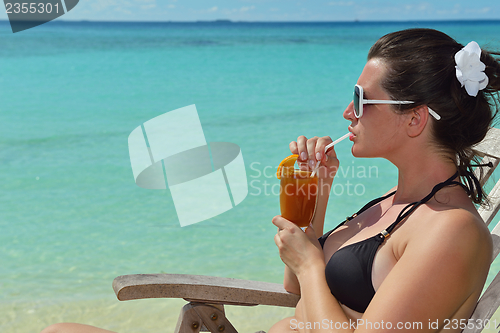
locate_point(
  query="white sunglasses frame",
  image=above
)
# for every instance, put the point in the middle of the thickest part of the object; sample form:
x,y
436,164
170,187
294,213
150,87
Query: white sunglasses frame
x,y
363,101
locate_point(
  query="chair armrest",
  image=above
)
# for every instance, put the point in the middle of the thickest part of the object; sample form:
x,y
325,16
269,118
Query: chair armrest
x,y
486,307
203,289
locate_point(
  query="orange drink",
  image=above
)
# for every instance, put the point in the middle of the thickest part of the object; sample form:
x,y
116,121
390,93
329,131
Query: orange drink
x,y
298,192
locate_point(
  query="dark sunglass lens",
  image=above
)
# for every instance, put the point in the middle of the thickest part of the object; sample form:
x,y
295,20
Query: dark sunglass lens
x,y
356,101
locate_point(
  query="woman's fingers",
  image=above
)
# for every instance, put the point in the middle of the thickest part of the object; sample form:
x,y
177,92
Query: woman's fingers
x,y
296,248
294,147
320,147
311,151
302,148
277,240
282,223
306,149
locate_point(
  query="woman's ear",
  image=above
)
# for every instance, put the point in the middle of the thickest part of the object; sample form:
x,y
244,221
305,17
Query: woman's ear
x,y
418,118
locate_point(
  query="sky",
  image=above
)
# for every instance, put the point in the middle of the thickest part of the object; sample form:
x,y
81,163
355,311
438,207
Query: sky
x,y
280,10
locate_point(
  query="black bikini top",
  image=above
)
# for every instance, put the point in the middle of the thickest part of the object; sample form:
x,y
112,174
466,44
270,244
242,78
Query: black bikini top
x,y
349,270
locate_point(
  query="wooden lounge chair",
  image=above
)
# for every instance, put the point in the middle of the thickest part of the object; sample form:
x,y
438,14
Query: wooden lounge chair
x,y
207,295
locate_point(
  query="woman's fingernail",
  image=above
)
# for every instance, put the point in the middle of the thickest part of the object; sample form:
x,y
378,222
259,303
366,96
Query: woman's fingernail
x,y
318,156
311,163
303,156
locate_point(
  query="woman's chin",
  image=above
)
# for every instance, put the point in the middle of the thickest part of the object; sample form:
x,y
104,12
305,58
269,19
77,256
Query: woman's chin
x,y
357,151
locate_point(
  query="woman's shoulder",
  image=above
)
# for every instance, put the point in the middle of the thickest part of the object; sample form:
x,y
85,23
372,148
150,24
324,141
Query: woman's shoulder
x,y
452,228
459,221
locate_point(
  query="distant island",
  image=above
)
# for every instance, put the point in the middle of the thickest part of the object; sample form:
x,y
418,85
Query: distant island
x,y
215,21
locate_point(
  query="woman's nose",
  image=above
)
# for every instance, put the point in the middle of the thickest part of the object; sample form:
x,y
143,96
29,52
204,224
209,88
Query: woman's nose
x,y
349,112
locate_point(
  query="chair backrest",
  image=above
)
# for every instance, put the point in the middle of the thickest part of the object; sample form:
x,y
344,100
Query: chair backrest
x,y
489,150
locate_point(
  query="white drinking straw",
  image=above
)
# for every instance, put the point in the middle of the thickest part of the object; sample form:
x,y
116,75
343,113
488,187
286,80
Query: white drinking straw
x,y
343,137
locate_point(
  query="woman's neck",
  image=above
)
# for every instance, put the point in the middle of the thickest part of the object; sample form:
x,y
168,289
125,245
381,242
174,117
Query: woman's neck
x,y
419,174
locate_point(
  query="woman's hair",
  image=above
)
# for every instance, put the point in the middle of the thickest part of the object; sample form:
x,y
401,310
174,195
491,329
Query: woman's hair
x,y
421,68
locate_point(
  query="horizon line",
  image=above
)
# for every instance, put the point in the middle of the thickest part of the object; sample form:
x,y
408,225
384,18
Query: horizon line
x,y
242,21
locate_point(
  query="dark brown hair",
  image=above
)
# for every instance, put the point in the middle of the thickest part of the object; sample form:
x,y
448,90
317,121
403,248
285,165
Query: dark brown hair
x,y
421,68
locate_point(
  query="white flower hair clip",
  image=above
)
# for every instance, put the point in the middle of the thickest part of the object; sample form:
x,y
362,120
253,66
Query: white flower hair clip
x,y
470,70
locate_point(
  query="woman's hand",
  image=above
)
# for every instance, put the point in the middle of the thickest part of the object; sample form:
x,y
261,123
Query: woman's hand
x,y
311,151
299,250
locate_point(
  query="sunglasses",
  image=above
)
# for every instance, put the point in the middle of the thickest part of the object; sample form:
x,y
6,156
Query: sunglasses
x,y
359,101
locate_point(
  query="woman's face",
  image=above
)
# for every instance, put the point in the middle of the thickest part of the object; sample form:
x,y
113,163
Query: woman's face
x,y
378,132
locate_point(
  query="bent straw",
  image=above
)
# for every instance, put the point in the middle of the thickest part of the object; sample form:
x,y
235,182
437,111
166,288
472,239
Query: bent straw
x,y
343,137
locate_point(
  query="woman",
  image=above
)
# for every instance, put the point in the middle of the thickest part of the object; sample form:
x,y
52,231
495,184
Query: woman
x,y
417,258
392,264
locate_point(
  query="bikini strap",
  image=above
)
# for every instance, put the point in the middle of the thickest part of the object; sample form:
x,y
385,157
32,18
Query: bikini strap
x,y
375,201
410,208
368,205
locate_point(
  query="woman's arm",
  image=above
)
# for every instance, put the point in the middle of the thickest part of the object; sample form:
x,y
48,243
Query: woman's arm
x,y
311,151
302,254
438,276
325,179
318,221
290,282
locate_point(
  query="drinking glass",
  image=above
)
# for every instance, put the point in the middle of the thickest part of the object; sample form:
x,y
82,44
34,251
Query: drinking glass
x,y
298,194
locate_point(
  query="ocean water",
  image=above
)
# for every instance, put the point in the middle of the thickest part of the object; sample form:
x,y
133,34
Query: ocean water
x,y
71,216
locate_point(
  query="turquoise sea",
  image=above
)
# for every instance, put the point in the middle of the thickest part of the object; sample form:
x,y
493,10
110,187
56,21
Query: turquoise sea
x,y
71,216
